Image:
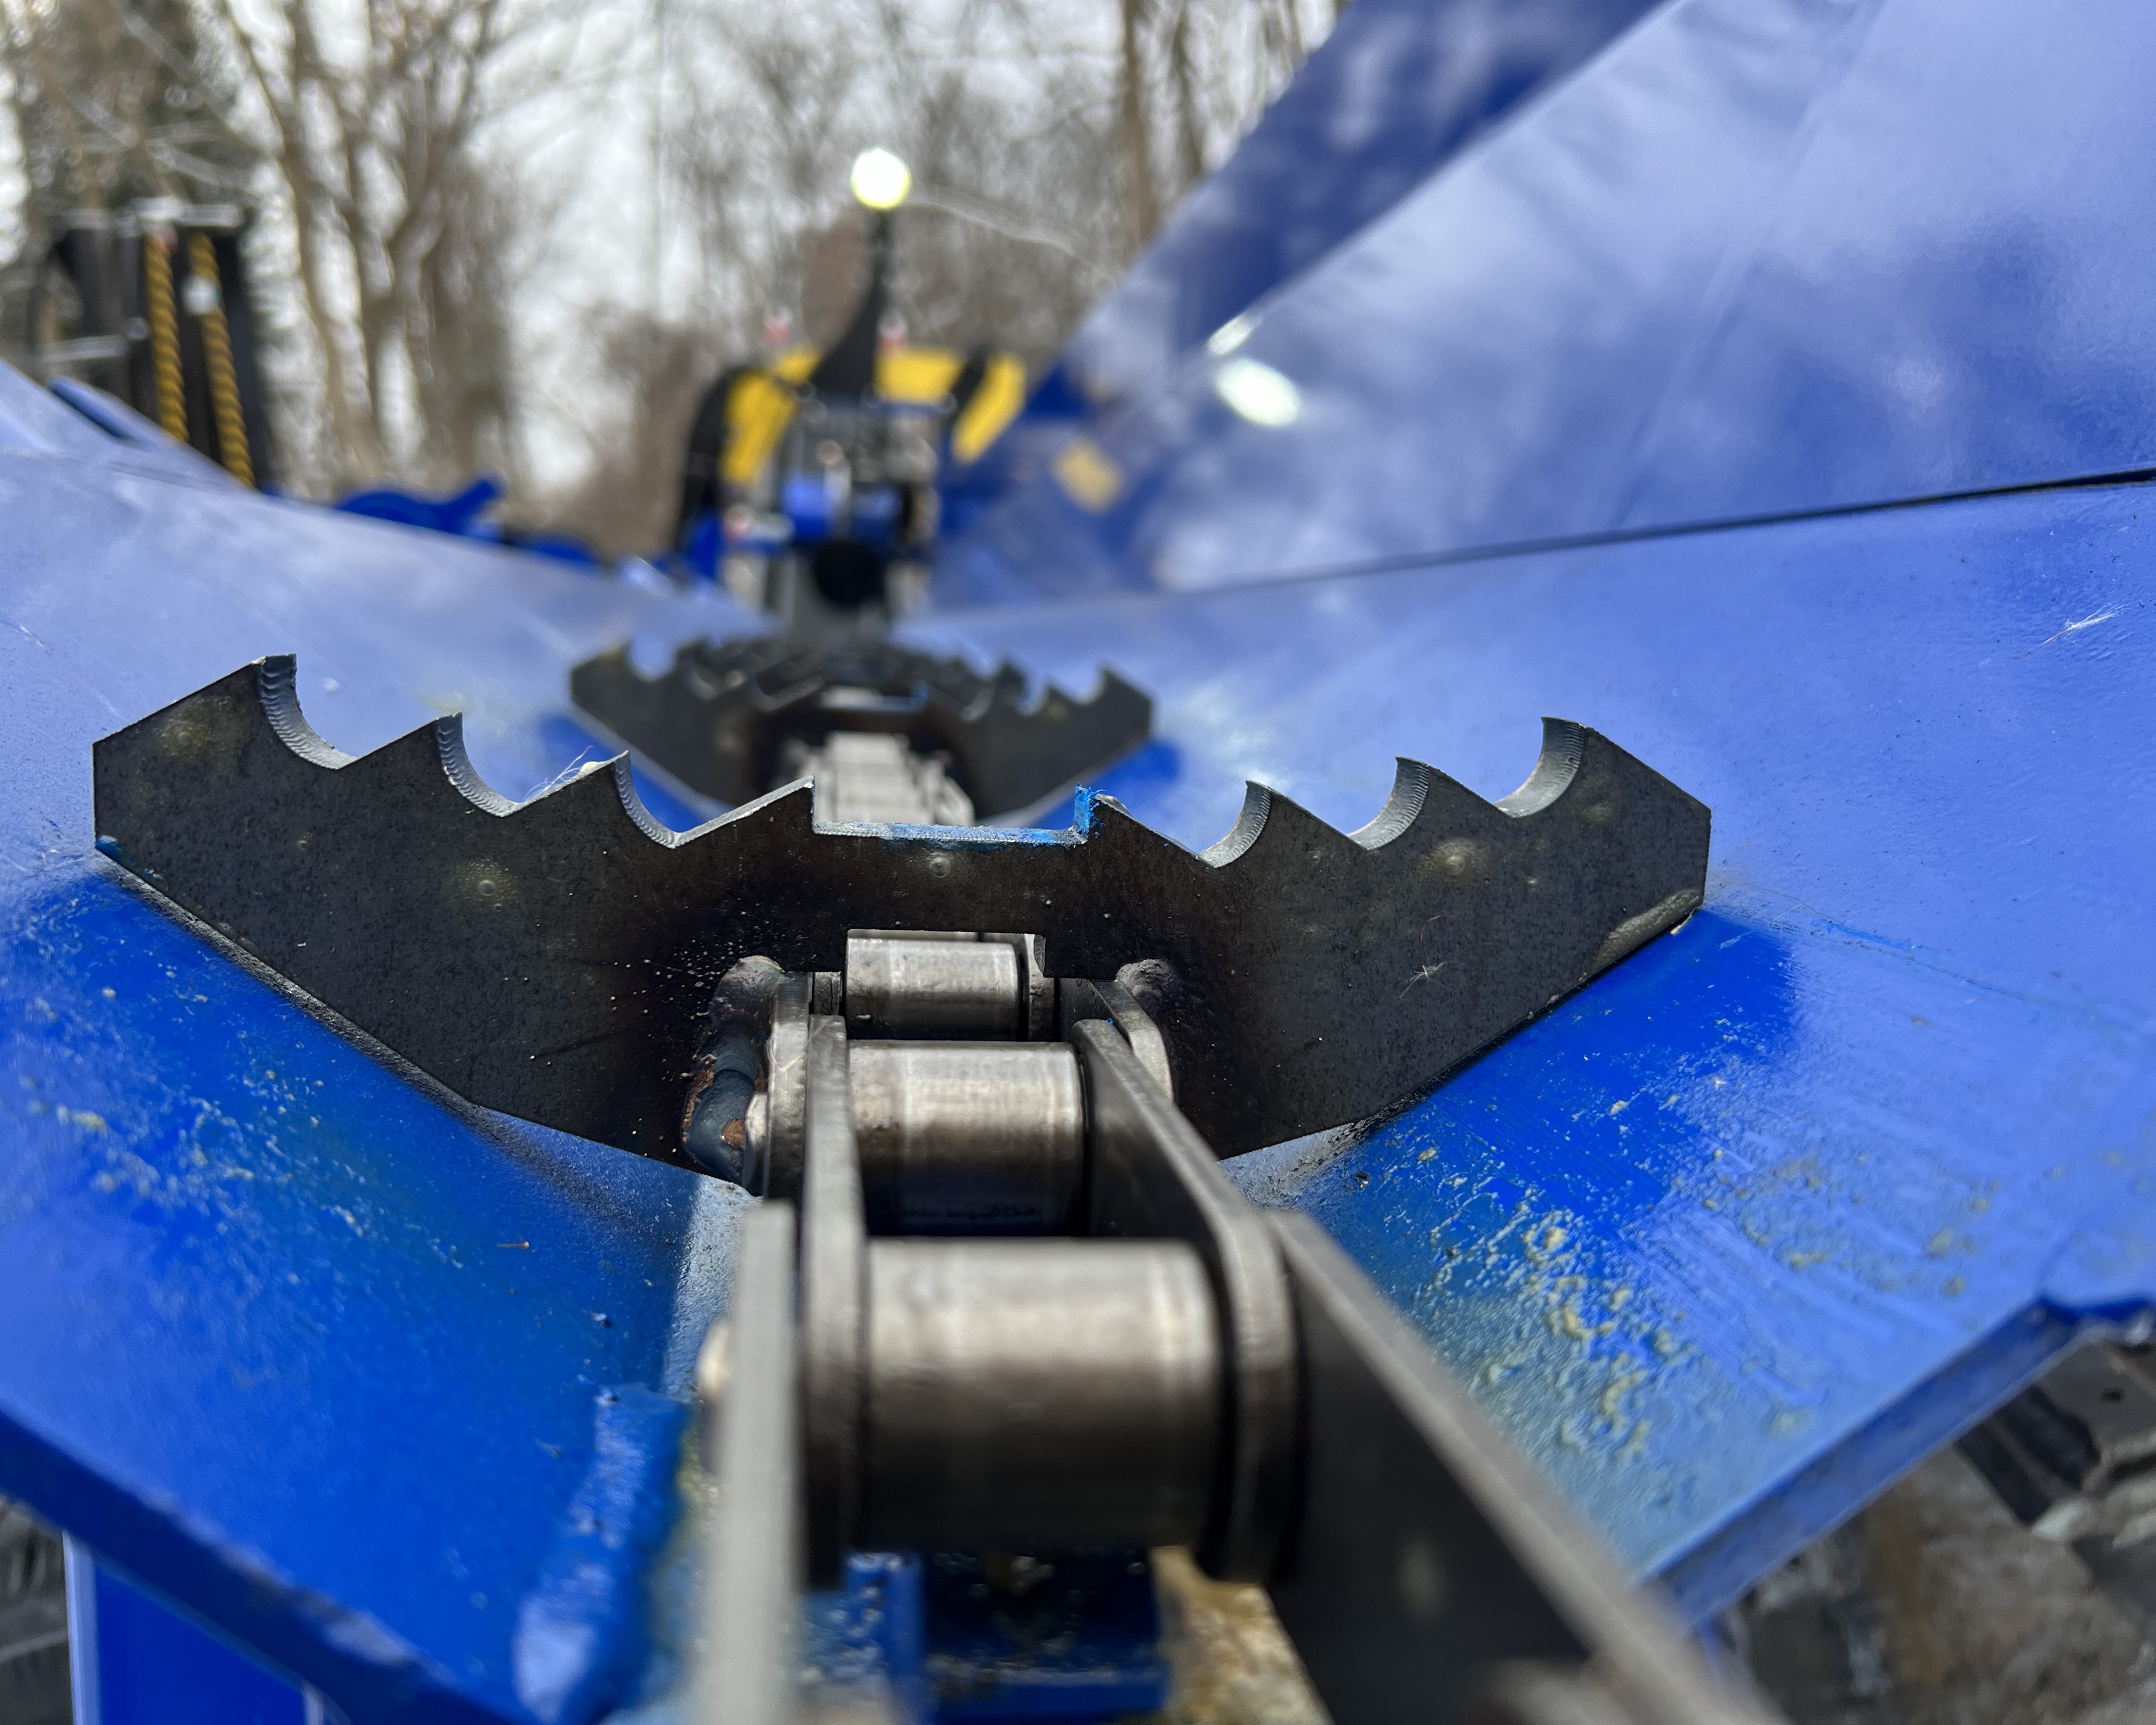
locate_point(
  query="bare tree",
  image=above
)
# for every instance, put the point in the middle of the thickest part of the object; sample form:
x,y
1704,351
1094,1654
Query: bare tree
x,y
98,113
1044,157
98,123
398,238
1192,77
1141,196
358,132
1013,228
370,122
460,337
624,499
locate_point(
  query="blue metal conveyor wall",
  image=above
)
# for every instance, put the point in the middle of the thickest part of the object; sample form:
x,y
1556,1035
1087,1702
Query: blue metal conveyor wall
x,y
391,1391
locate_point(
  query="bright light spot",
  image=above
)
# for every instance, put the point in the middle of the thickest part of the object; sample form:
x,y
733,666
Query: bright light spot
x,y
1231,335
881,180
1261,394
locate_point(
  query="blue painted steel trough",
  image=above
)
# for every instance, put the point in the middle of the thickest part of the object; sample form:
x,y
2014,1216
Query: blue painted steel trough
x,y
390,1390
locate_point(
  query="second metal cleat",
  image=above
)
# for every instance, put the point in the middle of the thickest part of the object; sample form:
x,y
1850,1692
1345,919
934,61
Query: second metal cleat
x,y
733,719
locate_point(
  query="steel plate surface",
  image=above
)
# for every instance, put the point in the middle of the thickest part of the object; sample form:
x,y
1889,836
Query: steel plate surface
x,y
1742,1230
1756,258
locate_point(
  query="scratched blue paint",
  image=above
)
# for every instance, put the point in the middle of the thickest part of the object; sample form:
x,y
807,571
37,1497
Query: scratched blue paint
x,y
1815,1161
1755,258
412,1348
1080,1643
1139,772
867,1636
961,838
295,1339
933,1640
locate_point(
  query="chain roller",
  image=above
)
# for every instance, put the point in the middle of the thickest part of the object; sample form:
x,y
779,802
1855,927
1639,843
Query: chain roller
x,y
1035,1315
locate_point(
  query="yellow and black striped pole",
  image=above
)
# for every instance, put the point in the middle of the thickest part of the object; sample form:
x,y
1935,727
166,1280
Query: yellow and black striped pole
x,y
217,352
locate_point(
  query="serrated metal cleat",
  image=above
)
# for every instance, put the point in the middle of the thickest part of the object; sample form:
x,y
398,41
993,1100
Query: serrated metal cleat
x,y
553,959
727,718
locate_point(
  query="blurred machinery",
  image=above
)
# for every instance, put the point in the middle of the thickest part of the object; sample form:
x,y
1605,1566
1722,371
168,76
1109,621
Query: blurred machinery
x,y
34,1629
149,305
813,488
814,484
498,1228
731,721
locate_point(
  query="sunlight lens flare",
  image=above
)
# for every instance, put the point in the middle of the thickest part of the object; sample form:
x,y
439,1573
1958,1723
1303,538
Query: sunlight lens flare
x,y
879,179
1259,393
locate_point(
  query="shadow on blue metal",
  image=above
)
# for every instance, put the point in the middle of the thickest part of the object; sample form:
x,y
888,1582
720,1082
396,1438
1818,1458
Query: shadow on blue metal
x,y
134,1658
1077,1640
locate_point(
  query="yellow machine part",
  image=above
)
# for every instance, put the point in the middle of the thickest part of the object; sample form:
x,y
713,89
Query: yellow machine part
x,y
995,405
758,409
762,402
